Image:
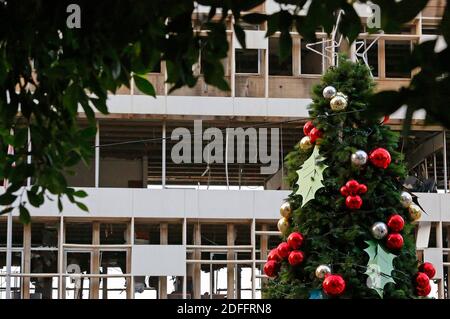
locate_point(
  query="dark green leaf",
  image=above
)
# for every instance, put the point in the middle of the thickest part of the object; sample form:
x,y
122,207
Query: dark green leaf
x,y
24,216
240,35
144,85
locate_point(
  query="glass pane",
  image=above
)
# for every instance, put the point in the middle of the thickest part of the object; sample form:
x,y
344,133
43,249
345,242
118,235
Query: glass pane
x,y
16,268
113,234
396,51
44,288
311,62
247,61
44,261
44,234
275,67
78,233
17,234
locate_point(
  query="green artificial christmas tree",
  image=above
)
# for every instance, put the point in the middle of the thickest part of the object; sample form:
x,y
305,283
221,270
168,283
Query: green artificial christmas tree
x,y
347,225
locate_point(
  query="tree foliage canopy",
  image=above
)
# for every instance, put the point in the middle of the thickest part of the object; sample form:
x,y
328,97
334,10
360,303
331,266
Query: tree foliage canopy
x,y
47,69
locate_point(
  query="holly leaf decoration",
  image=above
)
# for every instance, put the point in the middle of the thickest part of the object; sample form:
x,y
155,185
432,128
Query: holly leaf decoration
x,y
379,267
310,176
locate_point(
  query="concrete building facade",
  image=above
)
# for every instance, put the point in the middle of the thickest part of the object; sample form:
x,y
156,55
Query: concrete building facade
x,y
158,228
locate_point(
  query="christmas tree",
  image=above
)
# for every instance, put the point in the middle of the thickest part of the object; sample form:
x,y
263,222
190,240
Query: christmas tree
x,y
347,227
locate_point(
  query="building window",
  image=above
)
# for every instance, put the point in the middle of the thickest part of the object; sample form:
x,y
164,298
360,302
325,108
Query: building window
x,y
430,29
247,61
372,54
311,62
396,51
275,67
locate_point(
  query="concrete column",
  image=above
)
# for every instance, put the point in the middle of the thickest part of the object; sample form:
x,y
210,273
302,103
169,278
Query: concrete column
x,y
163,240
196,276
95,282
230,267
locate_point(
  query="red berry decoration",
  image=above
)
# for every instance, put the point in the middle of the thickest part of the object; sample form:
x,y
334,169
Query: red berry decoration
x,y
428,268
271,268
353,202
333,285
273,255
352,187
422,280
308,127
423,291
295,240
380,157
283,250
362,189
295,258
344,191
315,134
396,223
394,241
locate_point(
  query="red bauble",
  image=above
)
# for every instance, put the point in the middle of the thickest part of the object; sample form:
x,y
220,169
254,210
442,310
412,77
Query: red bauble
x,y
295,258
295,240
380,157
271,268
333,285
423,291
362,189
422,280
315,134
308,127
352,187
344,191
283,250
273,255
428,268
394,241
353,202
395,223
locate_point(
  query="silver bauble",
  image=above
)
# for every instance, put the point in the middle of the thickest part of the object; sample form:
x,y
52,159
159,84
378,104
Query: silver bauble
x,y
359,158
379,230
339,102
322,271
329,92
406,199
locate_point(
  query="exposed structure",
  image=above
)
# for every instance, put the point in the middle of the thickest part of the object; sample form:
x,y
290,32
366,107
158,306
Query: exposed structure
x,y
160,228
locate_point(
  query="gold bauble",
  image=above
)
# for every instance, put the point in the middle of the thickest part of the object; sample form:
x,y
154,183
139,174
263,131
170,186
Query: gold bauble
x,y
415,212
283,225
305,143
339,102
285,210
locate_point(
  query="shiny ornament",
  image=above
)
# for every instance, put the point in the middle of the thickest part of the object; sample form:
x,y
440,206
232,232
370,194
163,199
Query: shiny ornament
x,y
344,191
315,134
353,202
414,212
338,102
406,199
295,240
333,285
295,258
305,143
329,92
283,225
322,271
286,210
283,250
380,158
308,127
379,230
273,255
396,223
423,292
428,268
271,268
394,241
352,187
362,189
359,158
422,280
